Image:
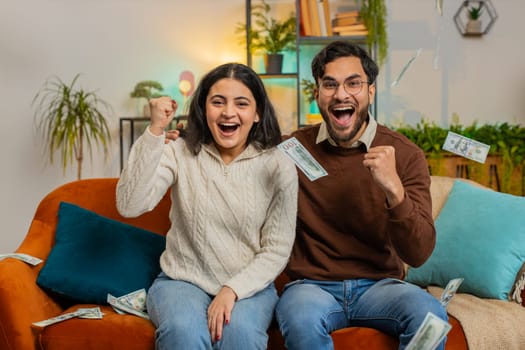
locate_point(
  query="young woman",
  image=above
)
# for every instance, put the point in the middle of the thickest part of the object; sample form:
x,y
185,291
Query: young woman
x,y
234,201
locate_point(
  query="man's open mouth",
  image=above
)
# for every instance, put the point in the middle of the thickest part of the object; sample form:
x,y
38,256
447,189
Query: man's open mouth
x,y
343,114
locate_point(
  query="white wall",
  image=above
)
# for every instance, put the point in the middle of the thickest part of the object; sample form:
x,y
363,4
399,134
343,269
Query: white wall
x,y
478,78
116,43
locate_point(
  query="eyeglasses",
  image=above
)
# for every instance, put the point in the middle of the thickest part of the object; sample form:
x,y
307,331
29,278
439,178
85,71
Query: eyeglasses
x,y
351,86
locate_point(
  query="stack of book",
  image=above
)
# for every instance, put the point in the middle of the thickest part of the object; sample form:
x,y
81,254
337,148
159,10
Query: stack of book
x,y
315,18
348,24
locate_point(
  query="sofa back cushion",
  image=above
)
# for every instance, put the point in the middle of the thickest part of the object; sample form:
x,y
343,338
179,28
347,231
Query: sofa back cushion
x,y
440,187
97,195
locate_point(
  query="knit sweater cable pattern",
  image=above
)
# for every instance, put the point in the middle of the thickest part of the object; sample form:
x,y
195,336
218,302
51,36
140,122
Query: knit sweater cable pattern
x,y
232,225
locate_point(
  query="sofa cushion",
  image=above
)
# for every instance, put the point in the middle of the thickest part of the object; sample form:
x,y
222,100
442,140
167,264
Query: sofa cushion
x,y
94,255
478,231
113,331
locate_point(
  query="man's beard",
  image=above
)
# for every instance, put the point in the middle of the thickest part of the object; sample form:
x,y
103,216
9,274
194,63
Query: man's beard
x,y
339,138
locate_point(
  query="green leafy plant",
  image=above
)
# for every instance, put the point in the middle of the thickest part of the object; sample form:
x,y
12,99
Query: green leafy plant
x,y
268,35
474,13
374,15
505,141
308,89
428,136
147,89
67,117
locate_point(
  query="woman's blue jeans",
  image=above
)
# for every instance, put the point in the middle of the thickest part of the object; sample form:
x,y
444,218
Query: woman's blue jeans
x,y
309,311
178,310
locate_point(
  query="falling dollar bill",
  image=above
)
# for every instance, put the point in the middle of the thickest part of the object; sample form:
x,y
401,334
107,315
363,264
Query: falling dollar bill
x,y
466,147
430,334
302,158
450,291
87,312
407,65
439,7
31,260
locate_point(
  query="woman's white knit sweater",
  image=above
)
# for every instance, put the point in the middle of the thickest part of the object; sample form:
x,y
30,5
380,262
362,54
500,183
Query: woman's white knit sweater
x,y
232,225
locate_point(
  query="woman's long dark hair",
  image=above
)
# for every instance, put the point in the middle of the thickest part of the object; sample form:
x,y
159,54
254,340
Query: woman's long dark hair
x,y
264,134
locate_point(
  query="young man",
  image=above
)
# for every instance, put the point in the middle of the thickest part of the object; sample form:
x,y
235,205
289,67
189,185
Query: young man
x,y
360,223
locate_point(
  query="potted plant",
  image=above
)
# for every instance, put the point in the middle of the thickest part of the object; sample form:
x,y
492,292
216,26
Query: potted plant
x,y
147,89
269,36
474,18
374,16
69,118
506,158
308,89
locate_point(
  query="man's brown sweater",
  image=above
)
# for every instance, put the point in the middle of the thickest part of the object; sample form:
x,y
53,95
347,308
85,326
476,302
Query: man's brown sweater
x,y
345,229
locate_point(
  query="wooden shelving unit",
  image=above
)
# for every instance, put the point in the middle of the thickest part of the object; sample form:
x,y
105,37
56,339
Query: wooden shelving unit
x,y
306,48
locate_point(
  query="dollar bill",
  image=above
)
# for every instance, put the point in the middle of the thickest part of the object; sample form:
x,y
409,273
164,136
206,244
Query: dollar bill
x,y
31,260
302,158
53,320
93,313
407,65
133,303
430,334
135,300
466,147
81,312
450,291
439,7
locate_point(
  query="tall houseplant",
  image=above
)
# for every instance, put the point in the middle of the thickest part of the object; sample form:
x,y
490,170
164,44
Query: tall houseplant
x,y
269,36
69,117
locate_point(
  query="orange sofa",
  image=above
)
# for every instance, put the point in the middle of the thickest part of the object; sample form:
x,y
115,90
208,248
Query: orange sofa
x,y
23,302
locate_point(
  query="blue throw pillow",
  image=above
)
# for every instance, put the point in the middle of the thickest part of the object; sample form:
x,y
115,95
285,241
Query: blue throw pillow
x,y
480,237
94,255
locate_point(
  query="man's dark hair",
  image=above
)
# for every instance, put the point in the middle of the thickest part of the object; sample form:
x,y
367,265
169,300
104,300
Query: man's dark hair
x,y
337,49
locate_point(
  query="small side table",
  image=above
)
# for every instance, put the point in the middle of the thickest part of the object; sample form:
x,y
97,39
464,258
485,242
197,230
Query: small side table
x,y
131,133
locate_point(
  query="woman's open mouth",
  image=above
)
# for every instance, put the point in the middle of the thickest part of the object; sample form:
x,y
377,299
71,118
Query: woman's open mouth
x,y
228,128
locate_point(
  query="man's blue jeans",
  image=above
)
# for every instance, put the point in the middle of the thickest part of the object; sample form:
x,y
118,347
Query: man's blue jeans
x,y
178,310
309,311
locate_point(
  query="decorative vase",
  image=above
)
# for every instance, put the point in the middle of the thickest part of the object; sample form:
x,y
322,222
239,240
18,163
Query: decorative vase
x,y
313,116
474,26
273,63
145,110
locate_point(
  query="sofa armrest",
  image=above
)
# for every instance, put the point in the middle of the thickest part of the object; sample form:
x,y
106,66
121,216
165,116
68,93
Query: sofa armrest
x,y
22,302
